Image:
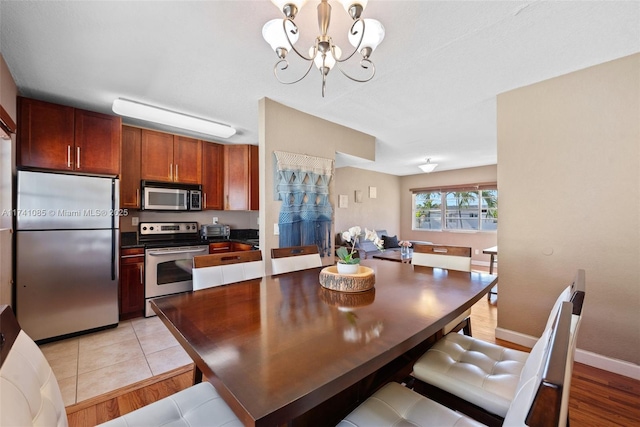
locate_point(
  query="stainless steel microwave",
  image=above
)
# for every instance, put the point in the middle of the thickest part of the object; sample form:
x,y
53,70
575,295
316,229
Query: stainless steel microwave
x,y
166,196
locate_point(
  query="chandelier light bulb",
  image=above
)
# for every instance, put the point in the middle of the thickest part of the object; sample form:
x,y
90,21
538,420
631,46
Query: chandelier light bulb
x,y
329,60
274,34
373,35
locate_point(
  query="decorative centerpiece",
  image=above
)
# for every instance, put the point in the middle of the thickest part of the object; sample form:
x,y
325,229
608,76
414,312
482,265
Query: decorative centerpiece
x,y
347,263
361,281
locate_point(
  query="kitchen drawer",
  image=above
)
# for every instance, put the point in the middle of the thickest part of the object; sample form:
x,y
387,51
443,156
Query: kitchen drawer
x,y
219,247
131,255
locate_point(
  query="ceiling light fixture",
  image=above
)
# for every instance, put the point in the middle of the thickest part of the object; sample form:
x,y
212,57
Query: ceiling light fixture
x,y
149,113
365,35
428,167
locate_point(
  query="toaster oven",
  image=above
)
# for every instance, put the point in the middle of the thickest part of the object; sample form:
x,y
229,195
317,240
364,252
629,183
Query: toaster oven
x,y
214,231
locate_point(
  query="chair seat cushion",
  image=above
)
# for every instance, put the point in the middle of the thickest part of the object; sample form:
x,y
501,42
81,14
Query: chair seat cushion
x,y
479,372
199,405
395,405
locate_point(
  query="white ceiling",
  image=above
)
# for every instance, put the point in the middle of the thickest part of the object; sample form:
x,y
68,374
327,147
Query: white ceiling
x,y
439,67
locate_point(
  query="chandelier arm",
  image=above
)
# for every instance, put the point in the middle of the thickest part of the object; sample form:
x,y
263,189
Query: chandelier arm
x,y
359,41
366,64
286,65
284,27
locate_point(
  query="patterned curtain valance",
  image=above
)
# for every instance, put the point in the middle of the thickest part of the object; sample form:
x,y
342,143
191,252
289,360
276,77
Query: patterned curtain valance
x,y
302,184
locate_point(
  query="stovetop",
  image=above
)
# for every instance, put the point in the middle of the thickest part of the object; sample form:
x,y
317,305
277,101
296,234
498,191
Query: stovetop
x,y
158,234
172,234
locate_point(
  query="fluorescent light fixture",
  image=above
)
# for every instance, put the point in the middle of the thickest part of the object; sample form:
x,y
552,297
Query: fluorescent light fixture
x,y
149,113
428,167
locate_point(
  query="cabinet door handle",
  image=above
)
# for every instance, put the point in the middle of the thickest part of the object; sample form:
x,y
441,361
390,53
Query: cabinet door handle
x,y
177,179
141,278
205,200
68,156
170,171
137,197
78,158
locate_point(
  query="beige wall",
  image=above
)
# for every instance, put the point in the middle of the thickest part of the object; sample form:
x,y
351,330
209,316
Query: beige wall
x,y
284,129
379,213
476,240
569,175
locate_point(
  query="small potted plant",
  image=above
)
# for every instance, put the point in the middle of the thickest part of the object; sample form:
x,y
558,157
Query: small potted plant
x,y
347,263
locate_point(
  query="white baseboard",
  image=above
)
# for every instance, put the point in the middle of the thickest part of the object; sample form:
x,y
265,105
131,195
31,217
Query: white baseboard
x,y
616,366
483,263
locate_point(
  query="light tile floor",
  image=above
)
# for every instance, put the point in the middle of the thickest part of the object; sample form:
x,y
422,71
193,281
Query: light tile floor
x,y
97,363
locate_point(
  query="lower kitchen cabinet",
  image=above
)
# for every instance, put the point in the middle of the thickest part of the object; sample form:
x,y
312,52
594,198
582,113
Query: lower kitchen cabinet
x,y
131,291
222,247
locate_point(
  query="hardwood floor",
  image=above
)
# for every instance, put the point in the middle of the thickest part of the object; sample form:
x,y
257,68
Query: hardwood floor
x,y
598,398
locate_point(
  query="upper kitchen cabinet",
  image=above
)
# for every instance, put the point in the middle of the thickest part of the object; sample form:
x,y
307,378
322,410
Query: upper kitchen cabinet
x,y
241,177
212,180
170,158
97,142
58,137
130,176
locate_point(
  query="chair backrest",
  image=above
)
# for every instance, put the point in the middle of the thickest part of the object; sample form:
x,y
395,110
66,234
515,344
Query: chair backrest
x,y
442,256
225,268
28,388
293,258
542,394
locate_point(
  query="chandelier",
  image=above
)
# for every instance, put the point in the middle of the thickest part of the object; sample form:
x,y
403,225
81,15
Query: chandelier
x,y
282,34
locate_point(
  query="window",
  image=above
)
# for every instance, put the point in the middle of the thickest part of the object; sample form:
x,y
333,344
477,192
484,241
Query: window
x,y
456,208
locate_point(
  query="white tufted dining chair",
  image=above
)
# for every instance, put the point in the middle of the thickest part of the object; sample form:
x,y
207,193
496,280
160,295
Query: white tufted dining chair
x,y
485,374
544,379
226,268
30,395
294,258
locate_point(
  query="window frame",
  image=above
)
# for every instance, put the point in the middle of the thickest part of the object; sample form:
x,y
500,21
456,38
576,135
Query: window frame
x,y
483,206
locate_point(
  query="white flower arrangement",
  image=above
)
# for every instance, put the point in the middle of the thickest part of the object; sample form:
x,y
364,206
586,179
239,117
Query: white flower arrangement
x,y
351,236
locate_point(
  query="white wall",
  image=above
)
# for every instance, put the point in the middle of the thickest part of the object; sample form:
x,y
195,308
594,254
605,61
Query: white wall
x,y
379,213
569,182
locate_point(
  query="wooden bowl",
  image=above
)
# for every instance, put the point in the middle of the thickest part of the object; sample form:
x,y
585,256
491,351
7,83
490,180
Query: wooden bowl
x,y
361,281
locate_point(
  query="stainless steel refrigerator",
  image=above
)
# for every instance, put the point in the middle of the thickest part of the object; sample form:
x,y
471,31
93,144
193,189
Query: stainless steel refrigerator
x,y
66,253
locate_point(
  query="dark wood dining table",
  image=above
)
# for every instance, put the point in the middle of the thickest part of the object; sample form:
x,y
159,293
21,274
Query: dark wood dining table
x,y
279,348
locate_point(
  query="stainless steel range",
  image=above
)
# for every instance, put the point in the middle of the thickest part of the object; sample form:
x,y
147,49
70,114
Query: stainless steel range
x,y
170,248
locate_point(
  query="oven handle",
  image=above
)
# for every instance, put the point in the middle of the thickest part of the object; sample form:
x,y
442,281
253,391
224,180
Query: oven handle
x,y
187,251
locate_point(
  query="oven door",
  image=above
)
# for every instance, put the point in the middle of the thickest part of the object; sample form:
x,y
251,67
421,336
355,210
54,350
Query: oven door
x,y
168,270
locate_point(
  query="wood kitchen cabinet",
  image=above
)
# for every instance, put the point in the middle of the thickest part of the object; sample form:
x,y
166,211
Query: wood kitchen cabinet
x,y
171,158
130,168
227,246
59,137
219,247
212,180
241,177
131,290
237,246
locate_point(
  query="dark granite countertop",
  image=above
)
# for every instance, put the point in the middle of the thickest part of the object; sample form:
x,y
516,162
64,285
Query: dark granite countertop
x,y
130,240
